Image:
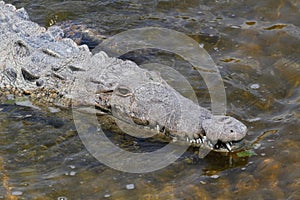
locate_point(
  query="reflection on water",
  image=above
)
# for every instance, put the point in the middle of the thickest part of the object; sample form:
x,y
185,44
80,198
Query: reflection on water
x,y
256,46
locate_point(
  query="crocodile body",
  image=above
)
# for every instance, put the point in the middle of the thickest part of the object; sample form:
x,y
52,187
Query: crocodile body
x,y
44,65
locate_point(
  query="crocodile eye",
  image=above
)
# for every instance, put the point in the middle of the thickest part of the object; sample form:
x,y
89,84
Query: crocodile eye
x,y
123,91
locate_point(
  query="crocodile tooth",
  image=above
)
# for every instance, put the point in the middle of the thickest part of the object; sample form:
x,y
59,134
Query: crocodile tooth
x,y
157,128
187,139
193,141
199,141
228,146
230,143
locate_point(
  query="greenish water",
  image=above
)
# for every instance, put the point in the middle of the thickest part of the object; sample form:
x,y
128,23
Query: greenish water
x,y
256,46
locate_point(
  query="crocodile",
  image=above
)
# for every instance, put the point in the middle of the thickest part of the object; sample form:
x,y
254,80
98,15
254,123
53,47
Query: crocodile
x,y
45,65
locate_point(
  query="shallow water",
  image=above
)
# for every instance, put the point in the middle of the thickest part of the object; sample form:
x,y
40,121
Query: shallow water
x,y
256,46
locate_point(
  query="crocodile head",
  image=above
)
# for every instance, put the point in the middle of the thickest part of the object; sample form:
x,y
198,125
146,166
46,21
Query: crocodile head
x,y
141,97
178,118
225,132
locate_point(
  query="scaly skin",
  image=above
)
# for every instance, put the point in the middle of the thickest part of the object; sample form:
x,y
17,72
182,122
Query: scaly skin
x,y
35,60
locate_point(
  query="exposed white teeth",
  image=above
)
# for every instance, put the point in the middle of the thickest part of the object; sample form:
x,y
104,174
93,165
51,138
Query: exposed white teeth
x,y
157,128
202,140
228,146
196,141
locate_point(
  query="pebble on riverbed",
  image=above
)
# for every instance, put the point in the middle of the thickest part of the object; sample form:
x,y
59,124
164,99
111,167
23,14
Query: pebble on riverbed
x,y
214,176
72,173
130,186
16,193
255,86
